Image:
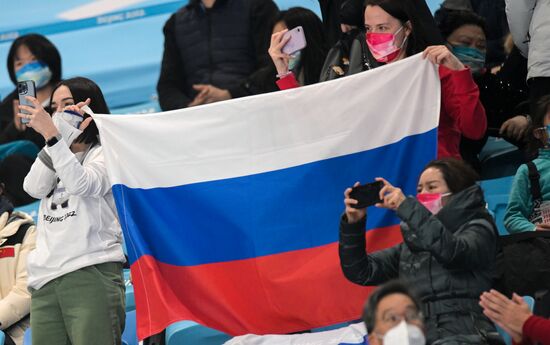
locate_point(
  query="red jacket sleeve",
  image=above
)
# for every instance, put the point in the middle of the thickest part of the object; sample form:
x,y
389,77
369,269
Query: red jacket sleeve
x,y
460,101
536,330
288,82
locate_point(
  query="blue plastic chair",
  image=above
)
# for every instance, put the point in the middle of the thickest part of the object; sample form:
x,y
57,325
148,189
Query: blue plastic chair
x,y
130,300
499,158
507,339
497,192
27,338
189,332
21,147
2,338
30,209
129,336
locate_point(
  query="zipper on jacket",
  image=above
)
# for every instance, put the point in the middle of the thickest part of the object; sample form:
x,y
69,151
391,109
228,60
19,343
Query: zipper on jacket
x,y
210,59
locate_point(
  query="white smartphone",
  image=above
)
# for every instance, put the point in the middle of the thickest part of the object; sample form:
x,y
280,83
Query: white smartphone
x,y
296,42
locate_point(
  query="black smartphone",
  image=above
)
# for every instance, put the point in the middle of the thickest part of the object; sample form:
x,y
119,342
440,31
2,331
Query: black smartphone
x,y
367,194
26,88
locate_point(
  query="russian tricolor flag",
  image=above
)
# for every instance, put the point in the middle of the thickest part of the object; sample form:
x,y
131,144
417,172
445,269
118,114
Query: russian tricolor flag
x,y
230,211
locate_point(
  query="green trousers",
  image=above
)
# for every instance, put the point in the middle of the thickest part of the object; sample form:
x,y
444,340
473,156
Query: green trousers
x,y
84,307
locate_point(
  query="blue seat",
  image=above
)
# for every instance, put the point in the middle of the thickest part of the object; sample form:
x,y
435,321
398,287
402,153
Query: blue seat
x,y
21,147
30,209
507,339
27,338
496,193
499,158
130,300
189,332
2,338
129,336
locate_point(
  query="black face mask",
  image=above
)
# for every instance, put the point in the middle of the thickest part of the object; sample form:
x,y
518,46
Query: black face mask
x,y
5,205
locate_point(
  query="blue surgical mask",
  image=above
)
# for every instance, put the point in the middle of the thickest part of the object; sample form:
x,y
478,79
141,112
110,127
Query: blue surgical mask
x,y
471,57
36,71
294,62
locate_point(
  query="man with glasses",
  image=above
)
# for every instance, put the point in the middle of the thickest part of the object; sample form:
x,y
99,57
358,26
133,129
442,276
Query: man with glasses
x,y
392,316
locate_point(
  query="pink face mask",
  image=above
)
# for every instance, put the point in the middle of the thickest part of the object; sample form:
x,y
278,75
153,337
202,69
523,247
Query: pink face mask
x,y
382,46
431,201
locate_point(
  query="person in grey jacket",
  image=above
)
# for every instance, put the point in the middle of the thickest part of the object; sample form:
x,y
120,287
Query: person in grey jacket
x,y
448,254
530,28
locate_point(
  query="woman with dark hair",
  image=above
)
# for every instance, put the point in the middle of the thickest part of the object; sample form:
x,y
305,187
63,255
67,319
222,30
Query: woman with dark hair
x,y
504,94
396,31
306,64
75,272
31,57
529,200
448,253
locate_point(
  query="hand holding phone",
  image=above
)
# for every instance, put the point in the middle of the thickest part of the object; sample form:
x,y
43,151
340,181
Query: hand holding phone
x,y
367,194
297,40
26,88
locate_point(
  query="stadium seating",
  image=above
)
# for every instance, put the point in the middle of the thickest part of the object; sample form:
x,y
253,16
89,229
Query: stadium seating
x,y
496,193
129,337
531,302
27,339
499,158
188,332
30,209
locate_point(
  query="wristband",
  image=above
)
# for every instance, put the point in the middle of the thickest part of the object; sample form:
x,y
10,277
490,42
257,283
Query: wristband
x,y
52,141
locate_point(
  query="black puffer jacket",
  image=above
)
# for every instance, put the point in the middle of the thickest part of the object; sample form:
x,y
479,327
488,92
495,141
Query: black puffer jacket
x,y
448,258
220,46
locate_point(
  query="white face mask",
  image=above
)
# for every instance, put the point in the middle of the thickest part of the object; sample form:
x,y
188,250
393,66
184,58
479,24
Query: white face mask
x,y
404,334
66,128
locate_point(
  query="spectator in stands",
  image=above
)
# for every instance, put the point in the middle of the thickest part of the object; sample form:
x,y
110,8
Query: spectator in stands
x,y
448,253
394,32
75,272
350,54
529,200
17,239
493,12
502,94
515,318
391,307
13,170
211,47
31,57
530,28
305,64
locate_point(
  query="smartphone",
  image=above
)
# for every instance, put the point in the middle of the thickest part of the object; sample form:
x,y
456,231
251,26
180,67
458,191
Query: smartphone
x,y
367,194
296,42
26,88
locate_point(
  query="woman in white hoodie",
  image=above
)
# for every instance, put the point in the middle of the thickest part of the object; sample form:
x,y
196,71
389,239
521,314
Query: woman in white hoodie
x,y
75,272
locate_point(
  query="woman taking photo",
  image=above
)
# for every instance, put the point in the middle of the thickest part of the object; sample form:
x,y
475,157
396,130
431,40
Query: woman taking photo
x,y
394,32
31,57
305,64
448,253
75,272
